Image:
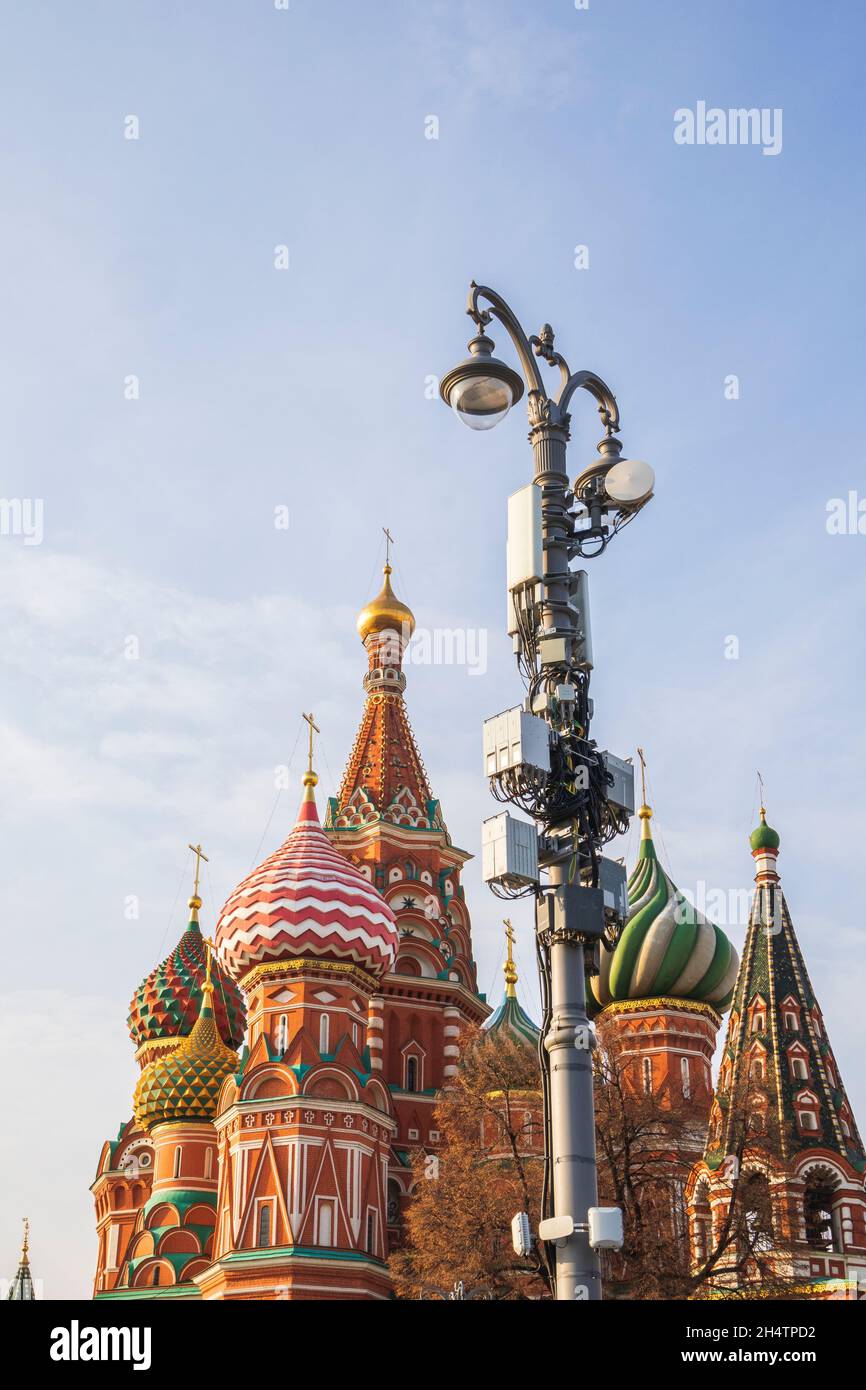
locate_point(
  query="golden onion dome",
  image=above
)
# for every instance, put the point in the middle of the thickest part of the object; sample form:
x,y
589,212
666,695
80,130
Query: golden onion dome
x,y
185,1084
385,613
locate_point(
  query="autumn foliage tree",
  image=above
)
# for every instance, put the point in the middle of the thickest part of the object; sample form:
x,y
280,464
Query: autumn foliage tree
x,y
458,1225
491,1165
646,1146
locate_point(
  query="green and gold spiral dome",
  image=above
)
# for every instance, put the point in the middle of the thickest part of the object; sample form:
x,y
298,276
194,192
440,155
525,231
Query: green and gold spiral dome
x,y
185,1084
667,948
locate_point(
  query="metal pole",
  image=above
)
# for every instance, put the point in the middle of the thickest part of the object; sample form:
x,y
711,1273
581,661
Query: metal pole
x,y
572,1120
575,1188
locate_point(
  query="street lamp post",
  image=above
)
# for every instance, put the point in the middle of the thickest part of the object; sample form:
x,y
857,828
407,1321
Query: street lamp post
x,y
570,922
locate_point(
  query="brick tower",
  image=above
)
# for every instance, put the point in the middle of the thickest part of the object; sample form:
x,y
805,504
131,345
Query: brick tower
x,y
386,820
782,1138
133,1167
306,1124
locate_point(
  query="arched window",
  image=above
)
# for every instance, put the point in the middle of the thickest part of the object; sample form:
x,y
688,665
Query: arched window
x,y
687,1082
325,1223
807,1119
411,1073
648,1075
282,1034
156,1273
264,1235
799,1070
355,1035
791,1023
324,1034
371,1233
757,1210
818,1209
178,1154
208,1164
756,1069
702,1224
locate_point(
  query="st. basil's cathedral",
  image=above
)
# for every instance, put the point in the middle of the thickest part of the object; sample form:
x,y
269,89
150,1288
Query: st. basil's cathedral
x,y
290,1068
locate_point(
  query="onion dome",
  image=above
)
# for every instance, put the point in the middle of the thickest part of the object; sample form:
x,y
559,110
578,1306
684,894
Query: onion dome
x,y
385,613
307,899
764,836
511,1017
166,1004
185,1084
667,948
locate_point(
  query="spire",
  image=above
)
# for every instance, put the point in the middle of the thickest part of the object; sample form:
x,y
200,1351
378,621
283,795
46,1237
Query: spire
x,y
777,1049
385,614
310,778
644,810
195,900
385,779
510,1017
21,1289
510,968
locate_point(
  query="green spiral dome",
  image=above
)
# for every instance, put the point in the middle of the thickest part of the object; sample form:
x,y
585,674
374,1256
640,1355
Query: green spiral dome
x,y
667,948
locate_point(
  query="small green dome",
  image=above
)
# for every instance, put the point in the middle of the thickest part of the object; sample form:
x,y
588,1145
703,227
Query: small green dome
x,y
764,836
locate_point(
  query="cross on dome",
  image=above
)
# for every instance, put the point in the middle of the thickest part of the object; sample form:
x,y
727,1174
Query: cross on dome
x,y
195,900
310,778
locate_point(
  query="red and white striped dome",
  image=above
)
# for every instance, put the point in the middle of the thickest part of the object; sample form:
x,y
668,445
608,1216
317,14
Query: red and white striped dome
x,y
306,900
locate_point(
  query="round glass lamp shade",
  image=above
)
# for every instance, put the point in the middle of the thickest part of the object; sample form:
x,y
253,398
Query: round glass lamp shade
x,y
482,390
481,401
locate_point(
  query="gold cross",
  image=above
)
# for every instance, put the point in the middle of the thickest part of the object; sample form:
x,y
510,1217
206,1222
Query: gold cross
x,y
26,1246
509,937
199,856
314,729
389,541
209,951
509,967
761,786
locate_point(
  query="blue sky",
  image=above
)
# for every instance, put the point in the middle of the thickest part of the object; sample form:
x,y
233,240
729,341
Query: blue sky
x,y
306,388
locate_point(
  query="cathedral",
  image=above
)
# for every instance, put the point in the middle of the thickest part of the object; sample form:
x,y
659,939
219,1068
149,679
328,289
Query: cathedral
x,y
290,1064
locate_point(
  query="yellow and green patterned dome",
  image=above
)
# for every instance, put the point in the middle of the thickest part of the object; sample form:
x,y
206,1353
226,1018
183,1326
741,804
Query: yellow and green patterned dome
x,y
185,1084
667,948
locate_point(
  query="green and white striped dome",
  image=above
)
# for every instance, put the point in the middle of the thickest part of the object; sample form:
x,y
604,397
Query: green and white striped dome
x,y
667,948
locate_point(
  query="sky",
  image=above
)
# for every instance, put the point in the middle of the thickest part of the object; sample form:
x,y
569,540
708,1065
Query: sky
x,y
237,317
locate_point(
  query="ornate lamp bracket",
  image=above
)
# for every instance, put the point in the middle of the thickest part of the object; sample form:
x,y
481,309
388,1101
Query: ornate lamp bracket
x,y
543,409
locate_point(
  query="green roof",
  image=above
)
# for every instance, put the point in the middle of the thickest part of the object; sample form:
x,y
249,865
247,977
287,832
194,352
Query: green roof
x,y
511,1018
667,948
764,836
